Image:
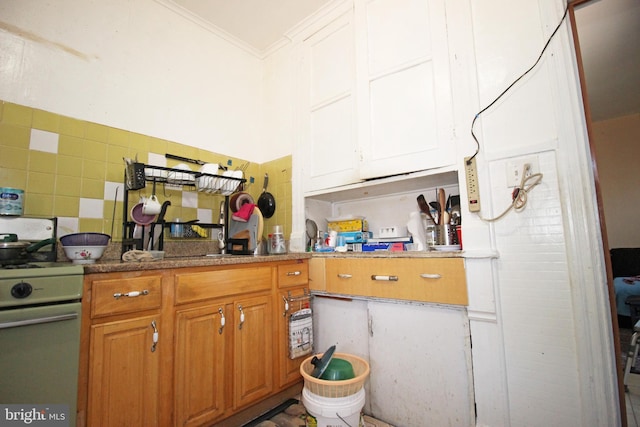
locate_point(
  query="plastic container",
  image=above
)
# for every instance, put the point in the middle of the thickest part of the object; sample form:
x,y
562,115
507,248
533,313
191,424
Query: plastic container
x,y
177,229
159,255
334,411
277,244
11,201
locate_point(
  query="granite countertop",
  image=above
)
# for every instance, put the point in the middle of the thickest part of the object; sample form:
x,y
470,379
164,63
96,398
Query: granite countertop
x,y
391,254
189,261
194,255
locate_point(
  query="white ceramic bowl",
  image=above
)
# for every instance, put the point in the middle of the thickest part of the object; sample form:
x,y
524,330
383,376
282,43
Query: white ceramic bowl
x,y
180,177
83,254
210,168
208,183
229,186
155,173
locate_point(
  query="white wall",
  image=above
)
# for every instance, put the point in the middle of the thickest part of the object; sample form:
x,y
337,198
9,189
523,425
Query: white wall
x,y
540,321
134,65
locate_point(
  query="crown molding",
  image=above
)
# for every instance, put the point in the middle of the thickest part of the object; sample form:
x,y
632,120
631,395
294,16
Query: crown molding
x,y
206,25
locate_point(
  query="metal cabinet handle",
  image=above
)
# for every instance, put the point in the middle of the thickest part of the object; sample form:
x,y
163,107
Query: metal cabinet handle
x,y
155,336
294,273
241,316
286,307
345,275
431,276
131,294
223,321
384,278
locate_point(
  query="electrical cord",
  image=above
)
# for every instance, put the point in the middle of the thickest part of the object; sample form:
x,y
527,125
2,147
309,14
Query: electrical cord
x,y
513,84
519,196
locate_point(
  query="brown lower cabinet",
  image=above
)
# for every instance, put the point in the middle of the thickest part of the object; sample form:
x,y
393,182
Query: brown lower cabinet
x,y
220,349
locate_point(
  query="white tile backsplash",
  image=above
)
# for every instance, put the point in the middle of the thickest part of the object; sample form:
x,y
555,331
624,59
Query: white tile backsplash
x,y
189,199
110,191
91,208
42,140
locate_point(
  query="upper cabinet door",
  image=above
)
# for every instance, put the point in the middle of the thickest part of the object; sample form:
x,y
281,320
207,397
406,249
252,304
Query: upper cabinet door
x,y
328,102
405,92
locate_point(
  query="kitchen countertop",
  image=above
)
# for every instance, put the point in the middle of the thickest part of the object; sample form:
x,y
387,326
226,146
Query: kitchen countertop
x,y
212,261
185,262
390,254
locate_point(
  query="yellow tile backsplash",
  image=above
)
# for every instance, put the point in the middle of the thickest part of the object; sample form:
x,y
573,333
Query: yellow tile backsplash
x,y
44,120
77,184
19,115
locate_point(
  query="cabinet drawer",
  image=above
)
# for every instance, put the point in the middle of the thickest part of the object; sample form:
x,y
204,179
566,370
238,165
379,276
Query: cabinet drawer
x,y
293,274
203,285
439,280
118,296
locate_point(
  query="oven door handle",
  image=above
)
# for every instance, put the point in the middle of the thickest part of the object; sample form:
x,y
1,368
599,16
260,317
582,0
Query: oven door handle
x,y
39,320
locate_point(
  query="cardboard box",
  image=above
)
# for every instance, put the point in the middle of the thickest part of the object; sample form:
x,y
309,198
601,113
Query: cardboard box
x,y
356,236
349,225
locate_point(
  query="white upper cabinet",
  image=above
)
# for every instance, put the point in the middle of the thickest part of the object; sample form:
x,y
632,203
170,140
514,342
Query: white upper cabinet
x,y
376,93
329,105
405,91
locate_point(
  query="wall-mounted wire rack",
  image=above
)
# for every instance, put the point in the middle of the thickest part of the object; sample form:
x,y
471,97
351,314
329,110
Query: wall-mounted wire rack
x,y
136,177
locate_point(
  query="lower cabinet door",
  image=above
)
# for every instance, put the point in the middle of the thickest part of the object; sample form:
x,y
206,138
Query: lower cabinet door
x,y
420,359
253,349
123,374
199,364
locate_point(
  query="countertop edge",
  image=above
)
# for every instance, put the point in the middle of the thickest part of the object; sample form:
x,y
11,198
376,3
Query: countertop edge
x,y
114,266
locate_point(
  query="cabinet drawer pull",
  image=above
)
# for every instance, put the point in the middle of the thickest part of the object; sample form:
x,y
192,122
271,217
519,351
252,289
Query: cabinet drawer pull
x,y
294,273
384,278
223,321
344,276
155,336
241,316
131,294
431,276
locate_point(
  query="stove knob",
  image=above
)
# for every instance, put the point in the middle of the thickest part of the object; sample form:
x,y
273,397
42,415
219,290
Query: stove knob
x,y
21,290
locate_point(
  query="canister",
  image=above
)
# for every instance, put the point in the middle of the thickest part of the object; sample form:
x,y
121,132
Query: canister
x,y
11,201
177,229
277,244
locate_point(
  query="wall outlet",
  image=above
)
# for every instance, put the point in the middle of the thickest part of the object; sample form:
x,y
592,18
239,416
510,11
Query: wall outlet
x,y
473,188
516,167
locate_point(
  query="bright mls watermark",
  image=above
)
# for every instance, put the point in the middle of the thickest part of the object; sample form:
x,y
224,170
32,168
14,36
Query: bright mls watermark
x,y
34,415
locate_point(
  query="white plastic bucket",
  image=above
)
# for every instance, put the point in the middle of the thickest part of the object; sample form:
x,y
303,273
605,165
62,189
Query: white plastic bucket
x,y
334,411
11,201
